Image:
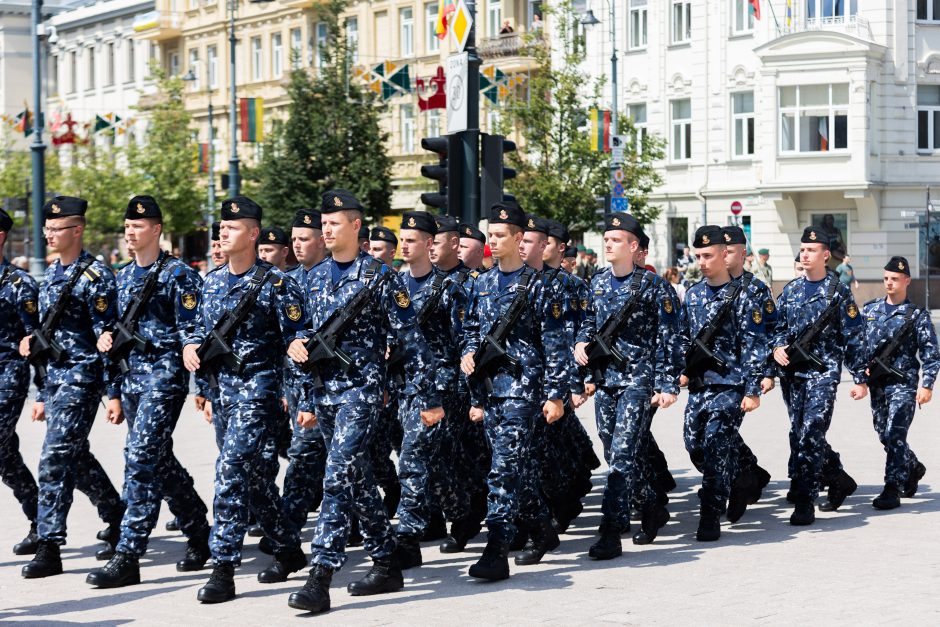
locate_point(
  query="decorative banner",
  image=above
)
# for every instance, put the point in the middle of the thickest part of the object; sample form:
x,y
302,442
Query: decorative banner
x,y
202,159
69,136
108,123
496,85
386,79
251,119
438,88
600,130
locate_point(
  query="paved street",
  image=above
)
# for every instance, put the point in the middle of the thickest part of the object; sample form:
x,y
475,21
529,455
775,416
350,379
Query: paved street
x,y
856,566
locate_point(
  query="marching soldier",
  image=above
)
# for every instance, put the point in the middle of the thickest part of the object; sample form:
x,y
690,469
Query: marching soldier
x,y
897,333
570,261
472,241
274,247
819,327
383,244
77,302
158,296
248,308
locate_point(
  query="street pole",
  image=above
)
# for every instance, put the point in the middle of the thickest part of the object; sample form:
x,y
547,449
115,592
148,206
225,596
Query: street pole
x,y
37,263
234,185
927,245
614,88
470,138
210,205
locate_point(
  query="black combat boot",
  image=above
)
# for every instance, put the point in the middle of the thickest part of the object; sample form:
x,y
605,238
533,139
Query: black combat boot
x,y
110,536
913,480
384,576
890,498
436,529
197,553
121,570
565,511
355,536
542,539
521,538
804,512
761,479
841,486
408,552
173,524
267,546
46,563
255,531
494,563
315,595
653,519
461,532
742,488
221,584
709,525
609,546
28,545
285,562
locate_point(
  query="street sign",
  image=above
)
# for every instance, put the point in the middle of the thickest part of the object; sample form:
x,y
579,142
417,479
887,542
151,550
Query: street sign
x,y
619,205
617,145
618,190
460,27
457,70
736,208
618,175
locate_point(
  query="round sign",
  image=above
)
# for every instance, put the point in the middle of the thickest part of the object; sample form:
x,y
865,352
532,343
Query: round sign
x,y
618,175
736,208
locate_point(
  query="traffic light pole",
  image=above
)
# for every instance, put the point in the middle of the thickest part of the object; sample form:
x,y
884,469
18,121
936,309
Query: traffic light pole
x,y
470,138
37,264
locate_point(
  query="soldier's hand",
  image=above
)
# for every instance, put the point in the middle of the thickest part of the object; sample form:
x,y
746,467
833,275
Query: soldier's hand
x,y
476,414
384,398
665,399
589,389
306,419
39,412
207,411
431,417
105,341
780,355
580,354
190,360
115,413
578,399
750,403
553,410
766,385
284,403
859,391
298,351
466,364
683,381
200,402
24,345
924,395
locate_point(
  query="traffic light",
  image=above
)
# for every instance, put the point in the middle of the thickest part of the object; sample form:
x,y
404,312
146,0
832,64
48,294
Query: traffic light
x,y
493,174
447,173
602,208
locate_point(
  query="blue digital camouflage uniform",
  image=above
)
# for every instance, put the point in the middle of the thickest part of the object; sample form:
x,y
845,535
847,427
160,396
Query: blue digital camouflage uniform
x,y
71,393
810,396
893,403
651,345
247,403
152,395
19,315
538,341
713,414
347,405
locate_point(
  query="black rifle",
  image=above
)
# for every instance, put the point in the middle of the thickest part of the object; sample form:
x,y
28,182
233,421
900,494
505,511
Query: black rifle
x,y
216,348
880,370
492,355
42,344
799,352
602,350
324,345
125,337
700,357
395,363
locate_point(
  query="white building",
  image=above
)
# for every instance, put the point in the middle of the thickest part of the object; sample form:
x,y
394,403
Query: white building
x,y
832,111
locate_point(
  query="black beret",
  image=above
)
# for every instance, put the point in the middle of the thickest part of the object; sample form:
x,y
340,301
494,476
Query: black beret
x,y
811,235
445,224
468,230
140,207
6,222
559,231
536,224
215,231
644,240
363,232
622,222
240,208
339,200
708,235
733,235
273,235
419,220
383,234
64,206
507,213
307,219
571,251
899,264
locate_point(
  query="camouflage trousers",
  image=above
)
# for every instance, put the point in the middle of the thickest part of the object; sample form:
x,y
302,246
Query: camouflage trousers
x,y
810,403
386,437
893,411
306,463
152,472
348,487
419,451
458,475
712,418
13,470
67,463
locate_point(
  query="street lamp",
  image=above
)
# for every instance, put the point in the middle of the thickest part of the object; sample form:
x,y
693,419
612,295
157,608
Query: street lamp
x,y
37,264
190,77
589,19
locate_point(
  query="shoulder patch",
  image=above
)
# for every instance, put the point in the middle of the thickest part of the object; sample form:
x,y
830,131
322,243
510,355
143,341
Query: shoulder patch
x,y
30,306
401,299
188,301
101,304
769,306
556,310
293,312
667,305
756,316
851,310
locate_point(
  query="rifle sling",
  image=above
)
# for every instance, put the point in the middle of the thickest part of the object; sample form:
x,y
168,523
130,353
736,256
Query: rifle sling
x,y
719,318
512,313
146,292
54,315
627,308
240,312
430,304
886,351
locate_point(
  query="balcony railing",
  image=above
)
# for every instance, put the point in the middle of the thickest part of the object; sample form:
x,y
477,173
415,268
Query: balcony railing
x,y
158,24
851,25
508,45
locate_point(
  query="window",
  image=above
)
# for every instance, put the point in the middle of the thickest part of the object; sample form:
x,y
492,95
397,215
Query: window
x,y
256,59
212,63
407,129
352,39
54,64
406,25
742,121
322,35
434,123
814,118
681,21
296,48
494,18
90,83
131,61
928,10
109,64
638,24
73,72
194,68
830,10
174,64
681,130
493,119
430,19
743,20
928,117
277,55
637,114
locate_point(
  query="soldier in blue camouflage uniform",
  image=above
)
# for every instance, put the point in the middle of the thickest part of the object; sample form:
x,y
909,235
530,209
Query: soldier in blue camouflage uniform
x,y
719,400
19,315
345,404
152,392
649,341
248,396
73,385
893,399
535,392
810,394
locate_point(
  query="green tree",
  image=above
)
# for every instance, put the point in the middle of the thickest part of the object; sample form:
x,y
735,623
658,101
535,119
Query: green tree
x,y
16,168
558,174
331,138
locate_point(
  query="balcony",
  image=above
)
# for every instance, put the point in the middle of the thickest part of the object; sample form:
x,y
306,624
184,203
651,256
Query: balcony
x,y
854,25
158,25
